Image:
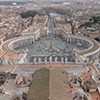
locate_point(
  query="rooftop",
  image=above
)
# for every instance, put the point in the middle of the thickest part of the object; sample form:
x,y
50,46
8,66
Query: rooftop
x,y
50,84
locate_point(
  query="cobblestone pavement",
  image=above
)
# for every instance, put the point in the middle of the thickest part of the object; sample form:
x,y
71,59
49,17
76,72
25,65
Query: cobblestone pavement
x,y
52,44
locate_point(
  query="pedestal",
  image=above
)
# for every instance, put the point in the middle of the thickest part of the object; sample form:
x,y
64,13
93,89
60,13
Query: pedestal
x,y
55,59
62,60
45,60
35,61
39,60
66,60
50,59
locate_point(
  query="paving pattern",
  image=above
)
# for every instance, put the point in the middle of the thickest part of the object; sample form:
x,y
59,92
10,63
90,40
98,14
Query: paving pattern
x,y
51,45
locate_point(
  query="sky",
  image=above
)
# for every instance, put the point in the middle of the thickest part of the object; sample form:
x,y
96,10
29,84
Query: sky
x,y
30,0
49,0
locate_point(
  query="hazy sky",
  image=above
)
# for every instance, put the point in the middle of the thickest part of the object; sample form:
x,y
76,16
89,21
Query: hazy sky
x,y
34,0
49,0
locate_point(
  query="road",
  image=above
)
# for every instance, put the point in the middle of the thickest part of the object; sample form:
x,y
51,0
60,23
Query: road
x,y
50,25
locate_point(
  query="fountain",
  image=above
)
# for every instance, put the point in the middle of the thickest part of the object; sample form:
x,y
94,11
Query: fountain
x,y
75,80
23,81
80,95
51,49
